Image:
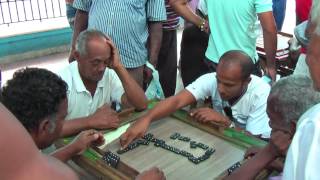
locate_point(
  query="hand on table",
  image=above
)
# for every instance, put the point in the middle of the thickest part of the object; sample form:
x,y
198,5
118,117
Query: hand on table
x,y
87,138
205,115
135,131
104,118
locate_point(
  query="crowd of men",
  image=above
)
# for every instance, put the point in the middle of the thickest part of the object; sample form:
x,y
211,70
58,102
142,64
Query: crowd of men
x,y
108,69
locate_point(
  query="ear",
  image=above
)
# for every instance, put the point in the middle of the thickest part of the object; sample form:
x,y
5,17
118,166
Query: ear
x,y
293,126
248,80
76,54
44,127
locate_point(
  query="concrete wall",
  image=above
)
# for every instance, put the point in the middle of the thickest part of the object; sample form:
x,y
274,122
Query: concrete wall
x,y
33,45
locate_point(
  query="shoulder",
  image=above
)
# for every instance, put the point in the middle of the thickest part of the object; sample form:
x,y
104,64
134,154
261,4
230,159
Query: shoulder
x,y
258,86
207,78
68,72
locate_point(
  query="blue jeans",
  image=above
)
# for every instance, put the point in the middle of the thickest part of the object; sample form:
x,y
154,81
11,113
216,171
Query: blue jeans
x,y
279,11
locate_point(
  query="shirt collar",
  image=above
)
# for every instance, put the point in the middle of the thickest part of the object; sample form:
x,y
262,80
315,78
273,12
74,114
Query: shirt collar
x,y
79,85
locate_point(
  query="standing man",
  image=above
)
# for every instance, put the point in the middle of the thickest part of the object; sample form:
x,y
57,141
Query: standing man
x,y
167,59
134,25
233,25
95,80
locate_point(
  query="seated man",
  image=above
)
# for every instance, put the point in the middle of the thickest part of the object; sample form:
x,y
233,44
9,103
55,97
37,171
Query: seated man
x,y
302,161
96,80
37,97
20,158
289,98
232,86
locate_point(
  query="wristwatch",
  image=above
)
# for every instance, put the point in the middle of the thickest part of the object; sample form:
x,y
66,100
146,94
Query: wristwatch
x,y
232,125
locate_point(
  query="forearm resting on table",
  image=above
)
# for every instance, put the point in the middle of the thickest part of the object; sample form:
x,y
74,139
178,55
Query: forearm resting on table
x,y
65,153
74,126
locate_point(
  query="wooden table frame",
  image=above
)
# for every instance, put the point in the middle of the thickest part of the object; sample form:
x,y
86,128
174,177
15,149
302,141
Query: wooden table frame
x,y
92,161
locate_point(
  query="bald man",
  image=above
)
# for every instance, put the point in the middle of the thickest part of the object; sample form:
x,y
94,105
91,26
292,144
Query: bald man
x,y
231,87
96,80
20,157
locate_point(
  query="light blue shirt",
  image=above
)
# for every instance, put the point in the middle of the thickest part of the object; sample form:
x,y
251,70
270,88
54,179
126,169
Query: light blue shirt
x,y
233,25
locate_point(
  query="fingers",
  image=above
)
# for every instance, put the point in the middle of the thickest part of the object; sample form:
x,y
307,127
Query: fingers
x,y
202,115
126,139
100,141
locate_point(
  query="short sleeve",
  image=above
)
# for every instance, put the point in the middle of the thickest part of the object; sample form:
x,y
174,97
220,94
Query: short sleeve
x,y
302,160
83,5
258,121
262,6
204,86
202,6
156,10
117,88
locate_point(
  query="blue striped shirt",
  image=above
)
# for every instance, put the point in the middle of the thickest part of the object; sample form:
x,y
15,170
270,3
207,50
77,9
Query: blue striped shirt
x,y
125,21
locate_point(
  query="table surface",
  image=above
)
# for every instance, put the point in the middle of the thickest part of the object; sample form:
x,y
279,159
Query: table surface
x,y
176,166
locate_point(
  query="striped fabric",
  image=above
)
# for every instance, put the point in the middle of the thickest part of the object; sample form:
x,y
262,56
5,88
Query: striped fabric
x,y
172,22
125,21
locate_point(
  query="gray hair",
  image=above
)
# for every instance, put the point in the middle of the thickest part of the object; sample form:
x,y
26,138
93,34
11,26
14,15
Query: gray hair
x,y
315,15
84,37
294,95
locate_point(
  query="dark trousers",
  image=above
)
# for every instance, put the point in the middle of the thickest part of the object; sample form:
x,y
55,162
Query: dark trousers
x,y
193,47
167,62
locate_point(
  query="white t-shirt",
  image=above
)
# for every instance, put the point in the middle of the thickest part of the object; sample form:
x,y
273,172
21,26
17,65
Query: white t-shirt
x,y
80,101
249,112
303,157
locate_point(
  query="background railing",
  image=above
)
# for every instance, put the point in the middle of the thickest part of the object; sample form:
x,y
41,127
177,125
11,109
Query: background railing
x,y
15,11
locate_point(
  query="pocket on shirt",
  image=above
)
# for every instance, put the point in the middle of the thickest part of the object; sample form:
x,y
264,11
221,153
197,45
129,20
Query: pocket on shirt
x,y
136,4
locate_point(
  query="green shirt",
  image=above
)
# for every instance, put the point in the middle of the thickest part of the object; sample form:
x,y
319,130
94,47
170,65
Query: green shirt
x,y
233,24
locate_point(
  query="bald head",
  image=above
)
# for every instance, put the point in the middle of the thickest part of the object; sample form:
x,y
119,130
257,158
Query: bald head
x,y
239,59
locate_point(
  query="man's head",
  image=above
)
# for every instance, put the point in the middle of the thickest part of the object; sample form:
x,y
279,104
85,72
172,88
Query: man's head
x,y
233,74
37,97
289,98
93,54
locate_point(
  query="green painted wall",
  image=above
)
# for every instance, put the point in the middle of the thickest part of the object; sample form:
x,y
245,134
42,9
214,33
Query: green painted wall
x,y
35,41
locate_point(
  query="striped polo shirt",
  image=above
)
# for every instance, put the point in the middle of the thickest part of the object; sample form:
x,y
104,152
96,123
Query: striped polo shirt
x,y
126,22
172,22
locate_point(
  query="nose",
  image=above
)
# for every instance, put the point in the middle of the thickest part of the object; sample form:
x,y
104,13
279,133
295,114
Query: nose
x,y
221,88
102,67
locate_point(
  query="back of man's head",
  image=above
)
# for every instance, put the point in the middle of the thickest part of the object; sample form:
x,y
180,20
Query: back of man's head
x,y
292,96
32,95
238,58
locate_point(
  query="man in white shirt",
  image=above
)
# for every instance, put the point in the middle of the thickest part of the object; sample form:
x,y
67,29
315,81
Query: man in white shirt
x,y
289,98
302,161
232,86
96,80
